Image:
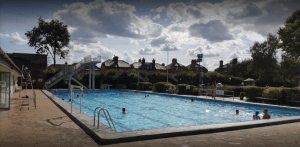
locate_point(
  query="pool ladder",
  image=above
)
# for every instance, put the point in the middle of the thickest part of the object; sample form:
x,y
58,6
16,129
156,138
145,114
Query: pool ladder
x,y
108,119
54,92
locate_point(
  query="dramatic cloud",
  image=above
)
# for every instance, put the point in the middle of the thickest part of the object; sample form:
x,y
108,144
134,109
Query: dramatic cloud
x,y
182,12
100,18
4,35
148,51
165,39
199,50
133,41
213,31
16,39
250,11
128,57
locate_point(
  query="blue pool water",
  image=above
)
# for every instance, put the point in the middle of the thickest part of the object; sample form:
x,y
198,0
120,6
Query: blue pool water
x,y
162,111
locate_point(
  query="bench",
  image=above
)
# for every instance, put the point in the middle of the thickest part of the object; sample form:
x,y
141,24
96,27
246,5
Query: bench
x,y
270,96
295,98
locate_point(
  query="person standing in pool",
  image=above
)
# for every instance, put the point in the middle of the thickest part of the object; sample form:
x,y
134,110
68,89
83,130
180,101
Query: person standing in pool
x,y
266,115
124,111
256,117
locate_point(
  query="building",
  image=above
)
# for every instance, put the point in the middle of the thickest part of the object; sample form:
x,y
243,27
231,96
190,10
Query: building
x,y
115,63
224,68
196,67
149,66
9,73
175,67
36,63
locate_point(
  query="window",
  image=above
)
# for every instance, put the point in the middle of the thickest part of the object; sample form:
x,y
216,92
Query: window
x,y
181,68
147,66
176,67
197,68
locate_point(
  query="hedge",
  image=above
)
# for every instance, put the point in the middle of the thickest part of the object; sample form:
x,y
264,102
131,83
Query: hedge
x,y
161,86
182,89
237,90
251,91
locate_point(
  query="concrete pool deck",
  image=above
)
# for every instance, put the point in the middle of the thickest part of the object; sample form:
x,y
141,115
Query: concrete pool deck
x,y
49,126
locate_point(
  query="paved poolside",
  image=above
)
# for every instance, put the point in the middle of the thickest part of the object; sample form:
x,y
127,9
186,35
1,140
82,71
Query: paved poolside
x,y
47,125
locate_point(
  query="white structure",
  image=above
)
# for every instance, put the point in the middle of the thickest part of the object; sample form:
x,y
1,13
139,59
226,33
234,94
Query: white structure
x,y
68,72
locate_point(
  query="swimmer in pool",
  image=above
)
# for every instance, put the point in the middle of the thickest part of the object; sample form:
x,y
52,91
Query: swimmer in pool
x,y
124,111
266,115
256,117
192,100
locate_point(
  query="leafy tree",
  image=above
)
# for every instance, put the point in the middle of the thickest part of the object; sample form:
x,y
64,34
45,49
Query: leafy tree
x,y
289,69
290,35
264,58
49,38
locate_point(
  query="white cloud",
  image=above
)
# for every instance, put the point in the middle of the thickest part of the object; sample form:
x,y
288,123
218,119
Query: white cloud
x,y
128,57
148,51
206,52
160,9
253,36
156,17
16,39
170,47
233,55
133,41
4,35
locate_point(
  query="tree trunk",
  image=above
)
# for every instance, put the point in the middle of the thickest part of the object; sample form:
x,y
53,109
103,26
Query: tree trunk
x,y
54,60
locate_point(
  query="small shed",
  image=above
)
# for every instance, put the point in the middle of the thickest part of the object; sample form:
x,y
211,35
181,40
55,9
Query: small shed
x,y
249,81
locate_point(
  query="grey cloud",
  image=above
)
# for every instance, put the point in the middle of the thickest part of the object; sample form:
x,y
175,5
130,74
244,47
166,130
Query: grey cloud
x,y
182,12
99,19
161,40
177,29
213,31
250,11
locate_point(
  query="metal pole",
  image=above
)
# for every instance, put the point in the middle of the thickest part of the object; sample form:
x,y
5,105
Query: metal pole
x,y
90,77
167,67
94,76
71,98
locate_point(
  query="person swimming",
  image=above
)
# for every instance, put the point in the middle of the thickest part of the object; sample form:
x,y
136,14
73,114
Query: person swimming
x,y
192,100
256,117
266,115
124,111
237,112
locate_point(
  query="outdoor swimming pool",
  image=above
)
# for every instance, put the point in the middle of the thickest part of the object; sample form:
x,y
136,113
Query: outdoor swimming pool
x,y
162,111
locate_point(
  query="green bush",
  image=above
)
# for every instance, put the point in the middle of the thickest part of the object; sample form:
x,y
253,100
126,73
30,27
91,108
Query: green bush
x,y
251,91
237,90
161,86
242,94
144,86
182,89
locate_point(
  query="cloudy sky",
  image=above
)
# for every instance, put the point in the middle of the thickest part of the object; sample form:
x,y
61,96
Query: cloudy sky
x,y
133,29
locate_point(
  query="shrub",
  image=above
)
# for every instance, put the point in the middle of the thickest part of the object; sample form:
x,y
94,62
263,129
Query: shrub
x,y
285,93
242,94
161,86
250,91
182,89
144,86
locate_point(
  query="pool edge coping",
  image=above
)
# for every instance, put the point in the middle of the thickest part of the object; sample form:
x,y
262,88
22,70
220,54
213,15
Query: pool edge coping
x,y
105,135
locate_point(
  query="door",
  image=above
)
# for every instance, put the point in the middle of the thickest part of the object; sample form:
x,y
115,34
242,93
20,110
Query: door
x,y
4,90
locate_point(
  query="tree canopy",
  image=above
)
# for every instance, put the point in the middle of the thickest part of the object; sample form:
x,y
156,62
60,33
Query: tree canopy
x,y
49,38
290,35
264,58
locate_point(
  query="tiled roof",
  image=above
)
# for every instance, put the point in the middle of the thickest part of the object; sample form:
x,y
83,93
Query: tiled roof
x,y
191,66
111,63
174,65
138,65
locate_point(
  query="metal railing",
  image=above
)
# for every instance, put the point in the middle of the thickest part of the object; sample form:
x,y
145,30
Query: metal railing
x,y
108,119
79,87
34,98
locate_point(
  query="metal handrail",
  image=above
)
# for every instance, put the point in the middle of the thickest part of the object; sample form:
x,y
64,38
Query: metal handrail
x,y
106,113
34,100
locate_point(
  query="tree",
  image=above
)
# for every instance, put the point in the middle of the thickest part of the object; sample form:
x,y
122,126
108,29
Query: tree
x,y
49,38
290,35
264,58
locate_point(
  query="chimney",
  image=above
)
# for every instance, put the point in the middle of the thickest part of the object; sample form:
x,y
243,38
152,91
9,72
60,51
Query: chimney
x,y
140,60
153,64
194,61
221,64
143,61
174,61
116,59
163,64
234,61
